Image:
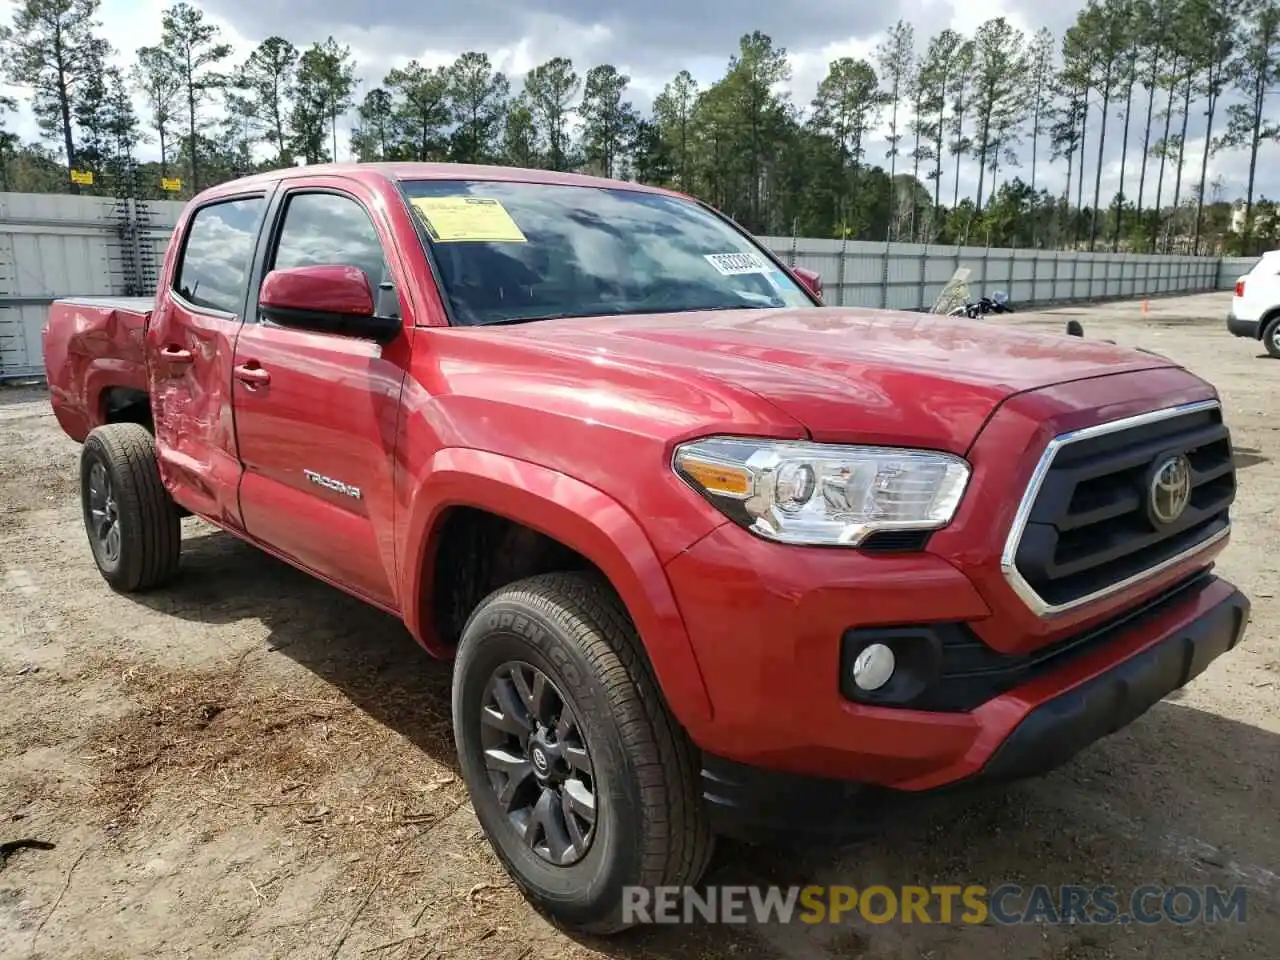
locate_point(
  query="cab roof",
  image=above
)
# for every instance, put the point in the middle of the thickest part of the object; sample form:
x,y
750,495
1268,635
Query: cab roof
x,y
401,171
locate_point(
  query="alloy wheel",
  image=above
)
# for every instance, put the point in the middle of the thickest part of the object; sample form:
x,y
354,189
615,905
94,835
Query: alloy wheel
x,y
538,763
104,518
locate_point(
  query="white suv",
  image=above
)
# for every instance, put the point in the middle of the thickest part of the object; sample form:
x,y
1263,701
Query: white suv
x,y
1255,308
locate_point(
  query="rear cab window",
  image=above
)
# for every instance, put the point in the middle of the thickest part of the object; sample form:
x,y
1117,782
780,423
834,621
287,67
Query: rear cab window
x,y
213,272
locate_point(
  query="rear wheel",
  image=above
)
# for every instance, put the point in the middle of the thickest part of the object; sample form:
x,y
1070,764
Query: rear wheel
x,y
1271,337
582,781
132,523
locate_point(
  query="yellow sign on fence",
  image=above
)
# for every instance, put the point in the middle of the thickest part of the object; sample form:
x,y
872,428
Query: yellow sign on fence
x,y
82,177
172,184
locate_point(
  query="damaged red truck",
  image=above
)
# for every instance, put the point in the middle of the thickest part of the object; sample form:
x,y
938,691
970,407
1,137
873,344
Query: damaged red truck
x,y
709,557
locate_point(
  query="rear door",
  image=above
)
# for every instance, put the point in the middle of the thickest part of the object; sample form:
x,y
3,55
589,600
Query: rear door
x,y
317,412
190,343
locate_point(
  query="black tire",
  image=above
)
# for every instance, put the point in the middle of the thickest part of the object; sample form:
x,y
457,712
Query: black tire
x,y
650,826
148,538
1271,336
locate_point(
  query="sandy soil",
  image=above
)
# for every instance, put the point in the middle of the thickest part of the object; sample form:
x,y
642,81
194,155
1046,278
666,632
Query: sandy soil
x,y
252,765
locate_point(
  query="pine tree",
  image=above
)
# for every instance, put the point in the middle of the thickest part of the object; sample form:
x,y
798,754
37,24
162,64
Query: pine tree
x,y
673,113
478,98
53,49
267,80
192,45
422,109
608,121
550,89
156,77
1255,72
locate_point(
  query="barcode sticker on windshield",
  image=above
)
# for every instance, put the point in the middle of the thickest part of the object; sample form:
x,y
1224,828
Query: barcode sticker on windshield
x,y
461,219
736,264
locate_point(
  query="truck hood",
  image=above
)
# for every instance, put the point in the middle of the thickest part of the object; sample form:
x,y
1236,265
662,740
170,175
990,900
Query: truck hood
x,y
875,376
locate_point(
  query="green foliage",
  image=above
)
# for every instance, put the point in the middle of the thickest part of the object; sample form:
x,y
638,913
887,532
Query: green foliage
x,y
421,113
550,89
1255,72
1154,70
191,45
266,79
52,48
154,76
520,135
478,99
673,118
608,121
999,101
372,137
322,89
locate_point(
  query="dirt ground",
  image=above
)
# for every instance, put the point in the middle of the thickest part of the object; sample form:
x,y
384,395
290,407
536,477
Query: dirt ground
x,y
249,764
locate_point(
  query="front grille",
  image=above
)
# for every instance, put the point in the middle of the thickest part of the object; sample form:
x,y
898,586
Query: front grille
x,y
1090,527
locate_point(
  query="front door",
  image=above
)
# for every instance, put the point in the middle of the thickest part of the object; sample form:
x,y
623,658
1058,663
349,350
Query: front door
x,y
316,412
190,344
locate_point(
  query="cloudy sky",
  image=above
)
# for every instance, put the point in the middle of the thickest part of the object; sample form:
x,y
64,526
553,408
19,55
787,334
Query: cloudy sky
x,y
650,40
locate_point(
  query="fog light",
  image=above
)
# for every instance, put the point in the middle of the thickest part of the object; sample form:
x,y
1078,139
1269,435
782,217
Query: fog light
x,y
873,666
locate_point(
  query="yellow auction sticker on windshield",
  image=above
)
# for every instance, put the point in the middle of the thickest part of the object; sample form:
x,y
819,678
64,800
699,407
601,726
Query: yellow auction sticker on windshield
x,y
463,219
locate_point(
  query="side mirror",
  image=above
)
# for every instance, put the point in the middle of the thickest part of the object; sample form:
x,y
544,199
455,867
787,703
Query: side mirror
x,y
333,299
811,279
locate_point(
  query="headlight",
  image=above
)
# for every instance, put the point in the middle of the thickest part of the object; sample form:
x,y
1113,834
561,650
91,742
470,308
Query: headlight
x,y
823,494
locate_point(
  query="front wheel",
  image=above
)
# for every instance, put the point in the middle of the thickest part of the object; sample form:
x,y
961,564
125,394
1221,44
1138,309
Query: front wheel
x,y
581,779
1271,337
132,523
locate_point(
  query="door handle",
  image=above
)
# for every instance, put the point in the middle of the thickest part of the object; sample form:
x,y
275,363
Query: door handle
x,y
172,353
252,375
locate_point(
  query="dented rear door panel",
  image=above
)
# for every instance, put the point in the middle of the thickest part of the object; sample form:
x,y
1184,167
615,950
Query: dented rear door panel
x,y
190,345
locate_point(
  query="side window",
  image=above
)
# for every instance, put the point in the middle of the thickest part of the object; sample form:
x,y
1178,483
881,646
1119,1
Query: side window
x,y
215,259
325,229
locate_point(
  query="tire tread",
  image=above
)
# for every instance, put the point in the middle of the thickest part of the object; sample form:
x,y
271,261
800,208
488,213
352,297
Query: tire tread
x,y
678,842
155,542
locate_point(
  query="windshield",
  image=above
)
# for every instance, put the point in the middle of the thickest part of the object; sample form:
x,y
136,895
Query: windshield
x,y
508,252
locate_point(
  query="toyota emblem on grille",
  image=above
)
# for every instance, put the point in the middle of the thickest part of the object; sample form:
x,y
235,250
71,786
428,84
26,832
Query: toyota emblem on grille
x,y
1170,490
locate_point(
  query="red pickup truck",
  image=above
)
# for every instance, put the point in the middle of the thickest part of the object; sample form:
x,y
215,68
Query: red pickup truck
x,y
709,557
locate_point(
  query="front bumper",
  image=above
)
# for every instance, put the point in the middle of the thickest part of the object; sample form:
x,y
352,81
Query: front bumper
x,y
1024,733
1057,729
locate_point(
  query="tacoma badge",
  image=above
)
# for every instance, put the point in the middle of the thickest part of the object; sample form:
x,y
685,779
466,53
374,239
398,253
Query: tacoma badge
x,y
337,486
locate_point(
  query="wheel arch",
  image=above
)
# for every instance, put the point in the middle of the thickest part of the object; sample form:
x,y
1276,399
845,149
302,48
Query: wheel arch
x,y
570,513
110,385
117,404
1268,318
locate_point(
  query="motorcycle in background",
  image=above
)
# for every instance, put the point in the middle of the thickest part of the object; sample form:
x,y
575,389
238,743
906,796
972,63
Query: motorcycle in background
x,y
998,302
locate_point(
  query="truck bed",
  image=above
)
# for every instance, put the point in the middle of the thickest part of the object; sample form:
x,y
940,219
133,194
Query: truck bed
x,y
92,344
139,305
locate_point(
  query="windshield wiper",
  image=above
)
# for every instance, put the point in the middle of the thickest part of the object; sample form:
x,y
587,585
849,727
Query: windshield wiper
x,y
503,321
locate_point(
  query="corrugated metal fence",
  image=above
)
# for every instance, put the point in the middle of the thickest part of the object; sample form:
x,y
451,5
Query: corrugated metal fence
x,y
53,245
910,276
1231,268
